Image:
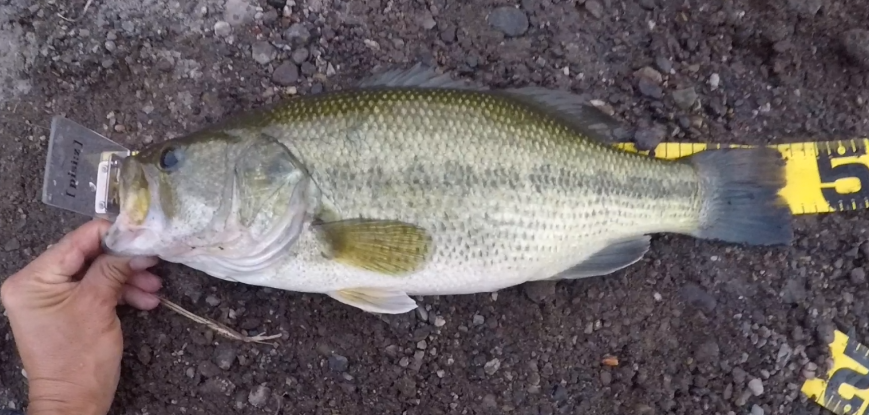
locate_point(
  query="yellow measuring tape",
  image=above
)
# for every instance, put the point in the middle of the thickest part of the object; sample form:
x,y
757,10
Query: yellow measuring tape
x,y
845,389
822,177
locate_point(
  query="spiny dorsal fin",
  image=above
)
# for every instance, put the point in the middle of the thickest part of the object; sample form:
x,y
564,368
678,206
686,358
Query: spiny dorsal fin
x,y
570,108
419,76
385,246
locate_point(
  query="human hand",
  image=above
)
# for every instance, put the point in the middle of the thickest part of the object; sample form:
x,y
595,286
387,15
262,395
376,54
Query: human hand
x,y
61,309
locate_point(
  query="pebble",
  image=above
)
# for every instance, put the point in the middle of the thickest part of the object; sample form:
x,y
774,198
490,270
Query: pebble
x,y
594,8
297,34
826,333
144,354
338,363
664,64
696,296
756,410
756,386
537,291
222,29
492,366
259,396
286,74
707,352
714,81
439,321
300,55
12,245
427,21
650,89
263,52
212,300
489,401
606,377
208,369
647,4
856,46
650,74
806,8
238,12
648,137
858,276
224,355
509,20
479,320
685,97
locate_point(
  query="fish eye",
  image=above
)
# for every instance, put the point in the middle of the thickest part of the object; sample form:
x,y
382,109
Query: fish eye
x,y
170,158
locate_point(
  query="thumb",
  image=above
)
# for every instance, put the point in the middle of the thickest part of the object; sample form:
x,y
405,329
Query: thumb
x,y
108,274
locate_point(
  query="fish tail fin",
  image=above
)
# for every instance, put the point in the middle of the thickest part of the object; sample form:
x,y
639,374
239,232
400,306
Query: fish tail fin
x,y
740,196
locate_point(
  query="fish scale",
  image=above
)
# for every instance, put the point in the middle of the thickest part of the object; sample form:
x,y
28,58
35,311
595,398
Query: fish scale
x,y
465,189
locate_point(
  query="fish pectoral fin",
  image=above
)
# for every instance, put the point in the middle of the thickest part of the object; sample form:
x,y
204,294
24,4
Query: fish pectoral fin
x,y
608,260
383,246
375,300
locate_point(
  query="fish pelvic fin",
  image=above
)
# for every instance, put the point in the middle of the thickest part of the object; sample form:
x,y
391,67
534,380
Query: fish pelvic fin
x,y
383,246
375,300
740,196
618,255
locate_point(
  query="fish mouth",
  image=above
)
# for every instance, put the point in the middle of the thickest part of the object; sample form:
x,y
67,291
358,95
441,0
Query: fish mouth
x,y
130,235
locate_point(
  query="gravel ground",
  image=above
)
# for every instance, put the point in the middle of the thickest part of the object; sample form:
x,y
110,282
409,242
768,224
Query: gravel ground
x,y
697,327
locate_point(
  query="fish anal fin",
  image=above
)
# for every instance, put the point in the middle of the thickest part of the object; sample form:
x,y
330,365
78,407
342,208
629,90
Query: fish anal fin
x,y
384,246
614,257
375,300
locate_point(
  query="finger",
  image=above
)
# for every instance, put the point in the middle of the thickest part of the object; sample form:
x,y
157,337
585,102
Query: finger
x,y
146,281
107,276
72,252
135,297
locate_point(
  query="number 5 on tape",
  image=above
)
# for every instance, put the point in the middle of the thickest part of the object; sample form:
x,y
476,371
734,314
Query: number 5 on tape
x,y
846,390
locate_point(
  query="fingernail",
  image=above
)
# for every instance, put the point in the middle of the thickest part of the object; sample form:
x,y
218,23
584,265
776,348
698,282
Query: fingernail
x,y
142,263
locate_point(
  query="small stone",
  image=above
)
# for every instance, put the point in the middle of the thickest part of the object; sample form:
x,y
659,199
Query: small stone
x,y
259,396
663,64
650,89
650,74
238,12
165,65
263,52
297,34
448,34
439,321
606,377
538,291
12,245
856,46
647,4
707,352
738,374
509,20
648,137
806,8
595,8
300,55
492,366
756,387
144,354
208,369
826,333
338,363
685,98
858,276
224,355
427,21
212,300
222,29
714,81
479,320
190,372
696,296
406,386
756,410
489,401
217,386
270,16
286,74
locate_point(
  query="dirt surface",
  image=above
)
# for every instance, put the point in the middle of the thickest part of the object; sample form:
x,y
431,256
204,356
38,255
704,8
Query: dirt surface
x,y
692,325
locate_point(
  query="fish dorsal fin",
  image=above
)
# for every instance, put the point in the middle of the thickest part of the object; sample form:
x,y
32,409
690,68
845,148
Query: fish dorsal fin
x,y
571,108
384,246
418,76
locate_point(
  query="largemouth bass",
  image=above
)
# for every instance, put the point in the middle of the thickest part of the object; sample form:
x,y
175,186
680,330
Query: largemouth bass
x,y
417,184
